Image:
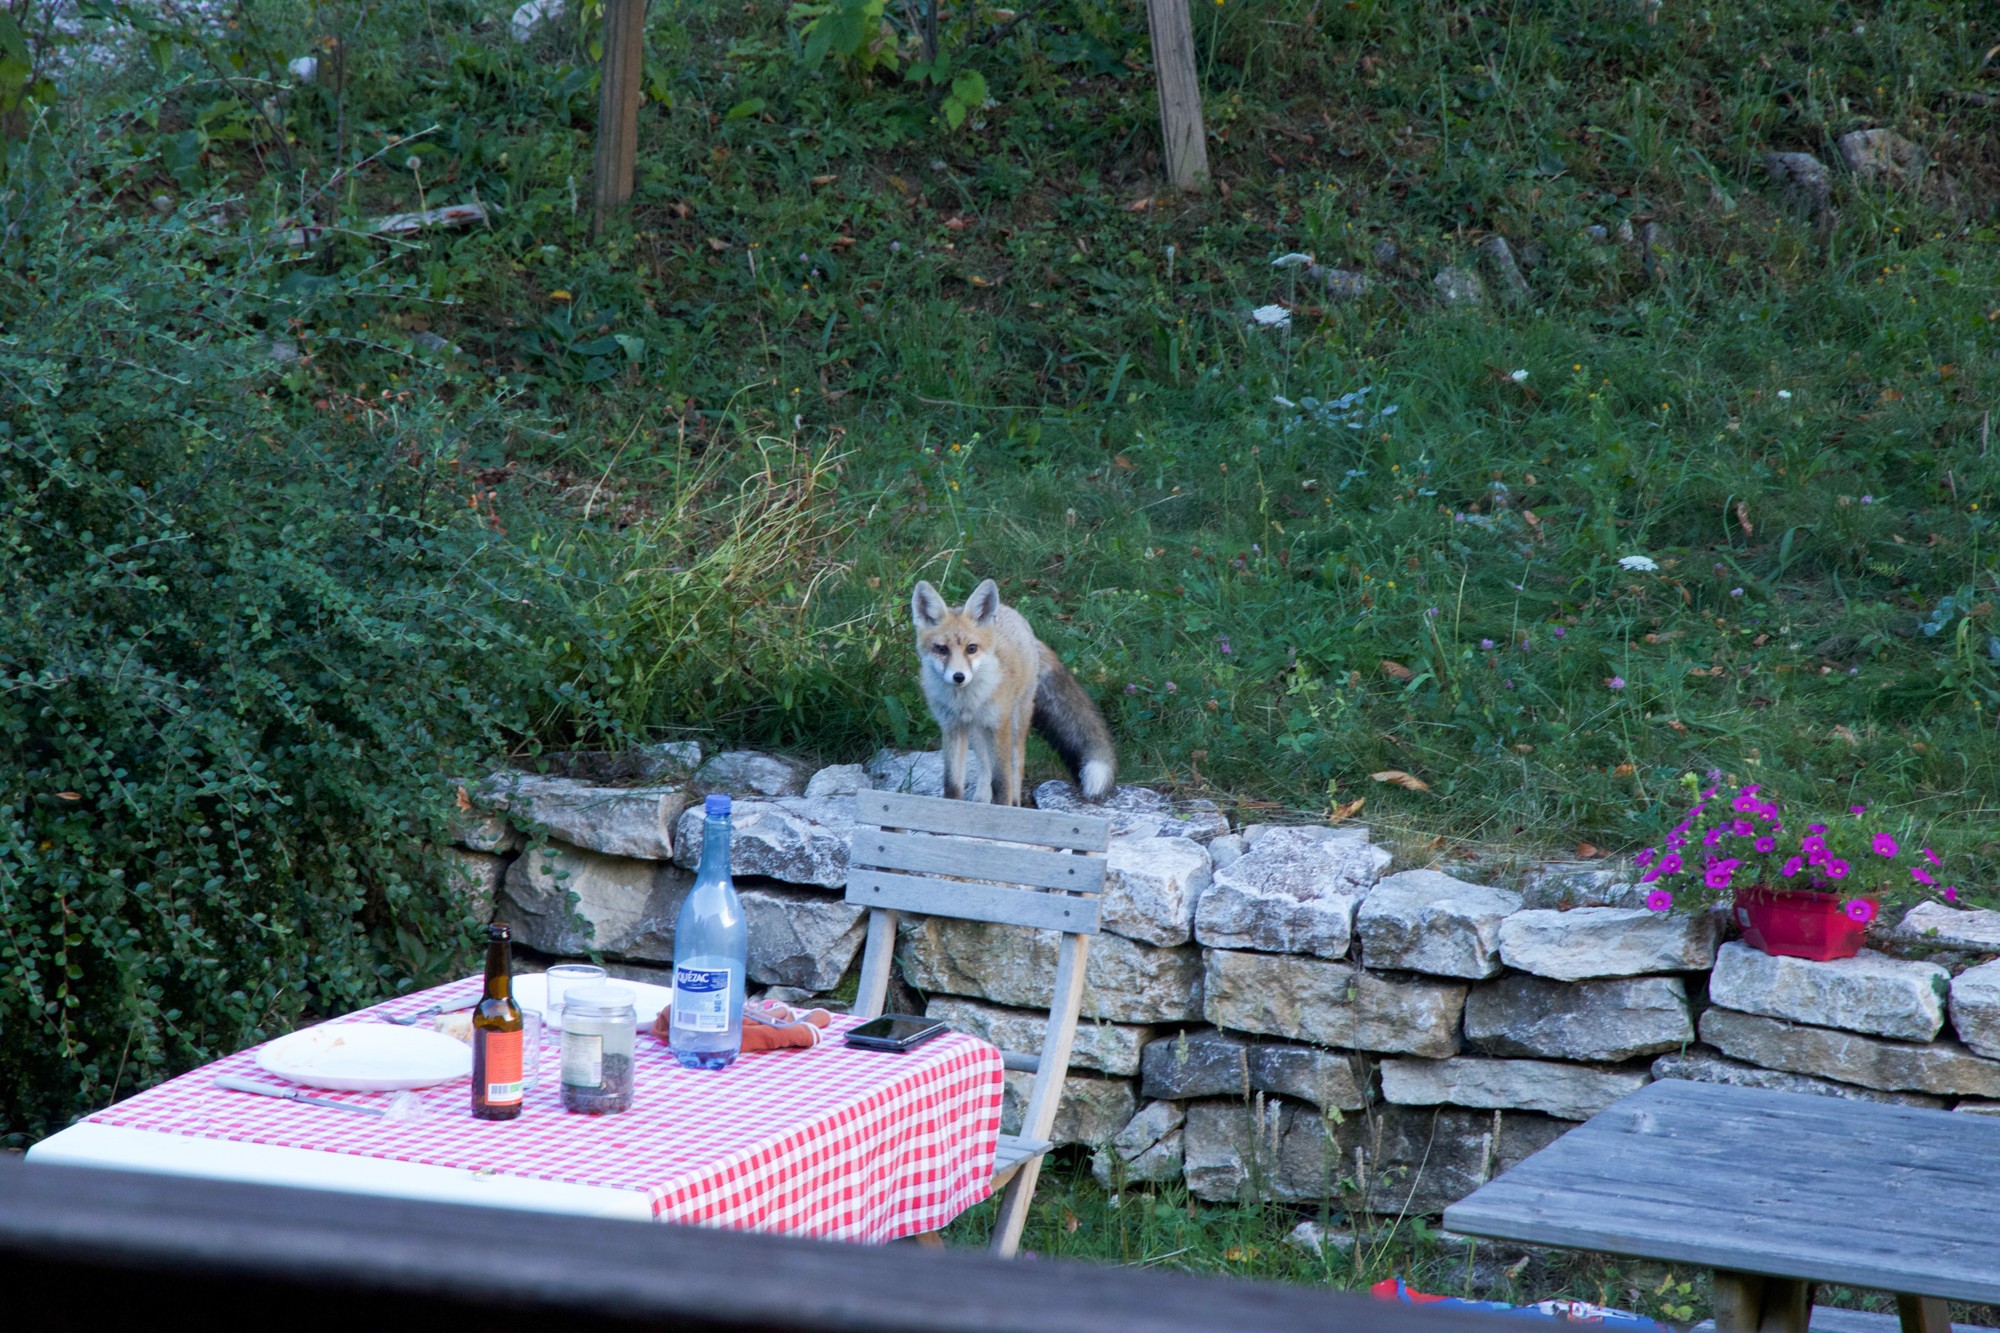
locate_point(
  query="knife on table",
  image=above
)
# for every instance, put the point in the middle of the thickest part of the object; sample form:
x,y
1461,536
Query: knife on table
x,y
235,1084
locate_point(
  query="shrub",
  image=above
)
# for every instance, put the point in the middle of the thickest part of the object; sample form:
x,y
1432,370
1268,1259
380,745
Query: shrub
x,y
247,630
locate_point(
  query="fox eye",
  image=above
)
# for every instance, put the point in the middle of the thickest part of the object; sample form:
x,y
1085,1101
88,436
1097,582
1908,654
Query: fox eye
x,y
971,648
942,651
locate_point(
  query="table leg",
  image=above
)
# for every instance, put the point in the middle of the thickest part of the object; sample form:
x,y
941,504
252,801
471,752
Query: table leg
x,y
1923,1314
1753,1303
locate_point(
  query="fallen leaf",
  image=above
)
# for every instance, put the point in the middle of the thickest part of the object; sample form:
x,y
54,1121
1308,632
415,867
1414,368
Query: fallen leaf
x,y
1139,205
1346,811
1678,726
1396,670
825,180
464,801
842,242
1891,396
717,246
1623,771
956,222
559,295
1743,517
70,795
900,185
1589,851
1398,777
1522,747
1760,641
1122,463
977,281
1845,733
1070,1221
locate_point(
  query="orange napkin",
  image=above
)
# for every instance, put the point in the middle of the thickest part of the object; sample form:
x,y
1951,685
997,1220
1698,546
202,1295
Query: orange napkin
x,y
770,1026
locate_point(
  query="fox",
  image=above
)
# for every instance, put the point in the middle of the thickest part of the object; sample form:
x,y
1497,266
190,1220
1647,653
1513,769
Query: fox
x,y
987,679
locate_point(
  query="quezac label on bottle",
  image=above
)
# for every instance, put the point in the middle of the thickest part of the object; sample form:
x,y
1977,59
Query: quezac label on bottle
x,y
701,999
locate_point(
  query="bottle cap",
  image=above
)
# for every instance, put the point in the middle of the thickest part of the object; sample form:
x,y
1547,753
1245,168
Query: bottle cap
x,y
497,932
716,807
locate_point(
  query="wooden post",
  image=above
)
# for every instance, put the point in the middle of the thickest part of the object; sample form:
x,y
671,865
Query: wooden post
x,y
618,108
1180,93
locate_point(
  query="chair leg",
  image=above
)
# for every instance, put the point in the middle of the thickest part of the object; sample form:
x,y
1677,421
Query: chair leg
x,y
1014,1201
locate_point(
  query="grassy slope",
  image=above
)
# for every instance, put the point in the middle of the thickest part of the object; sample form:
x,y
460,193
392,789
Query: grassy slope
x,y
1034,366
1011,355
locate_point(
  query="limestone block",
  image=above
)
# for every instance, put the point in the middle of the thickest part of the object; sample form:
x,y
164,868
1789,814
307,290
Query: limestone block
x,y
627,906
1608,942
1701,1065
753,773
476,828
1604,1021
839,780
1227,849
1124,981
1951,928
1292,892
1423,921
1565,884
1109,1048
1458,286
1092,1110
617,821
1975,1009
918,772
1565,1091
793,839
1330,1004
1146,1151
800,938
1886,997
1396,1160
1151,886
1223,1064
477,875
1880,157
1804,185
1941,1067
1138,812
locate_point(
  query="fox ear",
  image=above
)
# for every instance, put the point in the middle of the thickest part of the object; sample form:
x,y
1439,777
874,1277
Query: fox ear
x,y
985,600
926,607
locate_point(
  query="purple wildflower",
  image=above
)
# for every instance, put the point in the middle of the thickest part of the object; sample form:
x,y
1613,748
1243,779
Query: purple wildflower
x,y
1671,863
1614,683
1951,894
1743,828
1766,845
1885,845
1486,645
1931,856
1922,876
1659,900
1860,909
1792,867
1712,838
1645,858
1836,868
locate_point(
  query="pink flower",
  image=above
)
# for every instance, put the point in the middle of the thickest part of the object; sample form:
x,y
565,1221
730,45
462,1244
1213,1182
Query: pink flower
x,y
1836,868
1857,809
1645,858
1650,875
1743,828
1813,845
1670,864
1885,845
1753,789
1922,876
1951,894
1712,838
1792,867
1766,845
1860,909
1676,841
1614,682
1931,856
1815,828
1659,900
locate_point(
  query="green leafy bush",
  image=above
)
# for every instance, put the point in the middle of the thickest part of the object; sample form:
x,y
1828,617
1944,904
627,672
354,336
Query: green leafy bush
x,y
246,631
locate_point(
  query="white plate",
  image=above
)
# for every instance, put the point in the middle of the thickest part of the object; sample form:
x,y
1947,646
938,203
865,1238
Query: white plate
x,y
367,1057
532,992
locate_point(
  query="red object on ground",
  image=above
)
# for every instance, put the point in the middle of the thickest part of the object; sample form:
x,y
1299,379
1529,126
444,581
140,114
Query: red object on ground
x,y
1798,925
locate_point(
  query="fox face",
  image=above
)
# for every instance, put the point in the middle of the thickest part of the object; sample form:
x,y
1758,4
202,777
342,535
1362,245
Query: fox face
x,y
955,645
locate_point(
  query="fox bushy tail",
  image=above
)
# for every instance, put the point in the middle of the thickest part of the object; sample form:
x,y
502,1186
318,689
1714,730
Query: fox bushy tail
x,y
1068,719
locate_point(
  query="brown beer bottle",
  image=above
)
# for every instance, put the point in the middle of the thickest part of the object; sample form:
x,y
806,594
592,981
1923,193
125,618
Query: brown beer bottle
x,y
496,1035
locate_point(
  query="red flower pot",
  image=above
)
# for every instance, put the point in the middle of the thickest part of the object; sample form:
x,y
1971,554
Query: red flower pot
x,y
1799,925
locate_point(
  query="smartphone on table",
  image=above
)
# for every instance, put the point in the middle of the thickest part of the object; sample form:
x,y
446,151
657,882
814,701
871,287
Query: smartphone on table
x,y
895,1032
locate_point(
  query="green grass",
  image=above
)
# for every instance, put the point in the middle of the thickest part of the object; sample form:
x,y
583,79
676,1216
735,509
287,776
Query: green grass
x,y
990,362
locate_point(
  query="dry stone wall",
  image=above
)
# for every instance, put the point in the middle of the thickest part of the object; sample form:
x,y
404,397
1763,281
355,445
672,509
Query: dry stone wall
x,y
1268,1012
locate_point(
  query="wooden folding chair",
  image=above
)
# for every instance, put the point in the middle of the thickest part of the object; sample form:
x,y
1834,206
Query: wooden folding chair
x,y
986,863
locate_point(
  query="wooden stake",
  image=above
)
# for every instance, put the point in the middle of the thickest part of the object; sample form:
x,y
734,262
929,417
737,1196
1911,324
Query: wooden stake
x,y
1181,129
618,108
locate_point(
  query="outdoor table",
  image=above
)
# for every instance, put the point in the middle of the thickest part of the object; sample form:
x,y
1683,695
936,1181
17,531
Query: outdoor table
x,y
1773,1190
832,1141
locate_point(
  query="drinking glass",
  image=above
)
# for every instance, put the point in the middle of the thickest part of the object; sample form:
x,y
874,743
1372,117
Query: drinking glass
x,y
531,1046
560,978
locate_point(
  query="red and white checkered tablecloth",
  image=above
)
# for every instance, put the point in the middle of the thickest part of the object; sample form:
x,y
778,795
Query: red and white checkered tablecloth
x,y
834,1141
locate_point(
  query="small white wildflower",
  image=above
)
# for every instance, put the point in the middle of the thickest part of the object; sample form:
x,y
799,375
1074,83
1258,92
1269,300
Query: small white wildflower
x,y
1272,316
1292,260
531,16
305,69
1518,376
1283,401
1784,393
1639,564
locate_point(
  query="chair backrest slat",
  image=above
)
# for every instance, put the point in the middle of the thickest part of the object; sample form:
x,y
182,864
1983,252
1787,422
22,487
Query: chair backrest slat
x,y
971,858
1032,908
927,814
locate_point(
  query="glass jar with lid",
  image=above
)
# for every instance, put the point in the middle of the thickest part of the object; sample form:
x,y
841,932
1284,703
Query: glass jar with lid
x,y
600,1028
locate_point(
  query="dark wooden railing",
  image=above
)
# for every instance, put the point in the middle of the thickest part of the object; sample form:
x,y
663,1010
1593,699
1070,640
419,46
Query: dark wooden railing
x,y
84,1249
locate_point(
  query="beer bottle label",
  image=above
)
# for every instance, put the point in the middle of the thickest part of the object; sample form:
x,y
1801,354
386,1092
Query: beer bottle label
x,y
502,1067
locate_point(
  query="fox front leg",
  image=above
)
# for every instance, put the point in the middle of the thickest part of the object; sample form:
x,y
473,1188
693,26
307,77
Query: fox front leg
x,y
954,765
